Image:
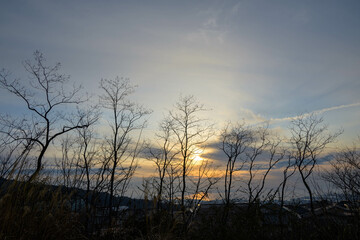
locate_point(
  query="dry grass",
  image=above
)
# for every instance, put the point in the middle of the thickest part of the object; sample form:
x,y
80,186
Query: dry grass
x,y
36,211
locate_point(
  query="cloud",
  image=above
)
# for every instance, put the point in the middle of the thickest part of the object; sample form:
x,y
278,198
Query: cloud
x,y
210,23
251,116
207,35
209,31
321,111
236,8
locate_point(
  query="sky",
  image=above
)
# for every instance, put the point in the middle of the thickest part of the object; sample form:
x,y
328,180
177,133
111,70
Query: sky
x,y
246,60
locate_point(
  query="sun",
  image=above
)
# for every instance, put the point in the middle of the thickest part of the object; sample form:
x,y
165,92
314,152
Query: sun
x,y
197,159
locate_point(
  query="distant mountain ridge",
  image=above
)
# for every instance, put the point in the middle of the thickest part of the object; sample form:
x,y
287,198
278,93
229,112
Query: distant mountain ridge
x,y
78,193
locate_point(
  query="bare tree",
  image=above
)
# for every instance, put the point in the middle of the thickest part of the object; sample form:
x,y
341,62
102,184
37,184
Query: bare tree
x,y
262,147
203,180
234,142
173,183
127,117
163,156
288,171
6,155
88,153
93,168
69,164
345,173
12,156
45,97
309,139
191,133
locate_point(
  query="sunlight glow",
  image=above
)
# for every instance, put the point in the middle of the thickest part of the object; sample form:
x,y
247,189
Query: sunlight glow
x,y
197,159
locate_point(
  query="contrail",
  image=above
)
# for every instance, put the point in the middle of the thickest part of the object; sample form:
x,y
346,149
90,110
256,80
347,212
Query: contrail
x,y
315,112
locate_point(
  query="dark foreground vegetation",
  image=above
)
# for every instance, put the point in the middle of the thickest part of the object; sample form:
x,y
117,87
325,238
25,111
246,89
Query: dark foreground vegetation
x,y
65,176
40,211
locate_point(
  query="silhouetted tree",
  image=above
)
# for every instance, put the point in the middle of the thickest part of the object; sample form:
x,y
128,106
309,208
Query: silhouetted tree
x,y
203,179
288,171
262,154
234,142
163,155
121,149
13,156
191,133
309,139
46,95
70,173
345,172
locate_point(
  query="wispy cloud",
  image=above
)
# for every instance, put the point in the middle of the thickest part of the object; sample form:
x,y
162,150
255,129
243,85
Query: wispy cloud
x,y
235,9
357,104
209,30
251,116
